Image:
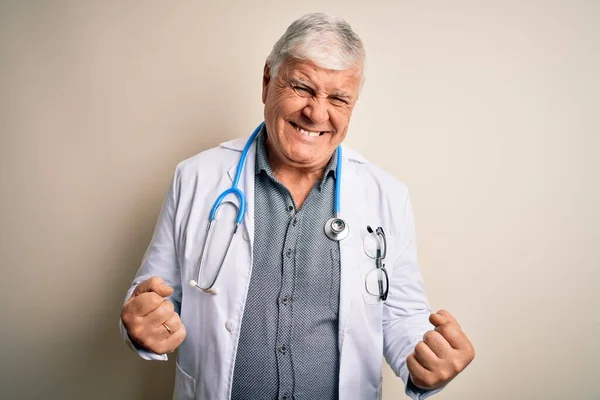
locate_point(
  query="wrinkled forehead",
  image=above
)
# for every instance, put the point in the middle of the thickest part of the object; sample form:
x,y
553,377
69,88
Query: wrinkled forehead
x,y
308,73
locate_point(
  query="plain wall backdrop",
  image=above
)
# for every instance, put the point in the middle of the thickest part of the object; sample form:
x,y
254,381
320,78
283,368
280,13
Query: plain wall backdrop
x,y
487,110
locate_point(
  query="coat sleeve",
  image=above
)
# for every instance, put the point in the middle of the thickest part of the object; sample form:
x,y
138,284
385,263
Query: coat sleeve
x,y
160,260
406,310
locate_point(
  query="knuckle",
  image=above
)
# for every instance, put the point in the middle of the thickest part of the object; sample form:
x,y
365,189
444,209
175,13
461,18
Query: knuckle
x,y
130,308
126,315
445,329
168,306
176,339
177,323
471,352
137,332
420,347
444,375
161,348
428,335
149,343
457,366
129,324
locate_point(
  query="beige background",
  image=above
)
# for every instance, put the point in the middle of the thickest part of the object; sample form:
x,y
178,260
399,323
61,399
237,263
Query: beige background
x,y
487,110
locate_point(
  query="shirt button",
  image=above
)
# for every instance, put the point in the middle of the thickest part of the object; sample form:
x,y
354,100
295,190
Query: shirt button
x,y
282,348
285,397
285,300
229,325
294,222
289,253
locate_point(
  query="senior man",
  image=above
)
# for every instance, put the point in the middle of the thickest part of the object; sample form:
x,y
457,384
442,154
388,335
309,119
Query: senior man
x,y
295,313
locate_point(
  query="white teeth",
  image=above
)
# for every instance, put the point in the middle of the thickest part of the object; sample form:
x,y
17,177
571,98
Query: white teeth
x,y
307,133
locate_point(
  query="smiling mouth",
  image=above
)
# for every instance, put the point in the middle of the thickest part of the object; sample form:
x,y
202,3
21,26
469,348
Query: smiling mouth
x,y
305,132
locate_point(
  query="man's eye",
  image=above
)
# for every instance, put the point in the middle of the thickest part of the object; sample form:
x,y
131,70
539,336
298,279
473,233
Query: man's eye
x,y
301,89
338,101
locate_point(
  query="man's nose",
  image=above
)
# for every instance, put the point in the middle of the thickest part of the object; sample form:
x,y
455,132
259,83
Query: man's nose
x,y
317,111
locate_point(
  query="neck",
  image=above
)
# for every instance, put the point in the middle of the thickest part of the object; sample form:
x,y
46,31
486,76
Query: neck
x,y
299,181
288,173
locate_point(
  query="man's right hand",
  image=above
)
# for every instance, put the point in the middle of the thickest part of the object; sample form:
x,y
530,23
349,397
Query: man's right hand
x,y
147,314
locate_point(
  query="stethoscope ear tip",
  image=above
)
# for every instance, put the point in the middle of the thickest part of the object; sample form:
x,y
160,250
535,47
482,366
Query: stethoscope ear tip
x,y
212,290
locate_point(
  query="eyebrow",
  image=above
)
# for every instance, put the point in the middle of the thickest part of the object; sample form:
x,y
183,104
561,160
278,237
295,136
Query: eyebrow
x,y
299,81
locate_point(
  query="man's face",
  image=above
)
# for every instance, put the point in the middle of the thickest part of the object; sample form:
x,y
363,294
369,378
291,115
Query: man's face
x,y
307,112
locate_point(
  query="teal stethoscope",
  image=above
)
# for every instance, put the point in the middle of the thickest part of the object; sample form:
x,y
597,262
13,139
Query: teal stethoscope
x,y
335,228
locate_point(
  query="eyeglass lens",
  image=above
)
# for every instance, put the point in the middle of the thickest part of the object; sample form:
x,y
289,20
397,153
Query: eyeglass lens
x,y
376,282
371,243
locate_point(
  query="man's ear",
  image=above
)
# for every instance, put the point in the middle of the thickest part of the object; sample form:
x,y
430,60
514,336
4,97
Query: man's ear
x,y
265,83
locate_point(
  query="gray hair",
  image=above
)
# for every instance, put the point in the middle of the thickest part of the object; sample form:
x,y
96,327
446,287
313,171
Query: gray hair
x,y
326,40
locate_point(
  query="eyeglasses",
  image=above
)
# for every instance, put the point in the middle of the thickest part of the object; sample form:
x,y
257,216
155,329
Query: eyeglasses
x,y
375,246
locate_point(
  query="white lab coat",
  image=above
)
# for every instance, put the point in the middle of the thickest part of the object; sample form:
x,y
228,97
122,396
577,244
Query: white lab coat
x,y
368,328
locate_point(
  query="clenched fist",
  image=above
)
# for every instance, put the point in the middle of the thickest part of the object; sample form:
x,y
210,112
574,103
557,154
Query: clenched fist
x,y
443,353
151,320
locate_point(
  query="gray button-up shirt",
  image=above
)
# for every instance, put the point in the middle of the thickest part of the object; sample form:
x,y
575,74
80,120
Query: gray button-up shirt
x,y
288,346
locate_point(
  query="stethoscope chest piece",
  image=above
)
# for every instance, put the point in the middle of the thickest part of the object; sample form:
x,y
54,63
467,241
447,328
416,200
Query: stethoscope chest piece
x,y
336,229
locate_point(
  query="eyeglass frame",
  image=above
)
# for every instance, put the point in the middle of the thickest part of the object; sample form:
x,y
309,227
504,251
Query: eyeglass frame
x,y
379,264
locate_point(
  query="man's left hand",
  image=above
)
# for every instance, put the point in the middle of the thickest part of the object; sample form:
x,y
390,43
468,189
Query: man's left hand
x,y
443,353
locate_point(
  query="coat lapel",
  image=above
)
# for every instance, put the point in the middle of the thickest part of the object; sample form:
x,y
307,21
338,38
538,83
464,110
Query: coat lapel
x,y
350,186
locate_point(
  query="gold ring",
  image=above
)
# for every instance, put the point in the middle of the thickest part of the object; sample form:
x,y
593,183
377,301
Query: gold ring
x,y
167,328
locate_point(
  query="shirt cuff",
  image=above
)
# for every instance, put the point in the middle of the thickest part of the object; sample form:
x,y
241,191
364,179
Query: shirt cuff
x,y
142,352
416,393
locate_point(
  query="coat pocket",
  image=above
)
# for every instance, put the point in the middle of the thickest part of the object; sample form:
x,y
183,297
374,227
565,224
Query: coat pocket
x,y
185,385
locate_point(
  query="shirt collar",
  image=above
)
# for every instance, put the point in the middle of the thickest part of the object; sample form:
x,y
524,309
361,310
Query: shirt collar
x,y
262,160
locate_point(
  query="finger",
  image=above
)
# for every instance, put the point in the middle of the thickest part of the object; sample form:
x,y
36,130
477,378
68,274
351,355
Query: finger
x,y
144,304
453,335
154,284
172,342
442,317
174,324
425,356
162,313
418,373
436,342
436,319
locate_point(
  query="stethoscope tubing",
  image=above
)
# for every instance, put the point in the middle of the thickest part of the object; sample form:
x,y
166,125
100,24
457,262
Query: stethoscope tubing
x,y
234,187
243,205
338,182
